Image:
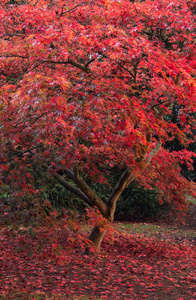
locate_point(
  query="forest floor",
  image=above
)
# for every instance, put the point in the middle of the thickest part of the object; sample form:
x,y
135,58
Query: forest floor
x,y
140,261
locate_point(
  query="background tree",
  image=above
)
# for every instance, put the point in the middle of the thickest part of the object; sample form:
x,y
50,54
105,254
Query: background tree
x,y
88,86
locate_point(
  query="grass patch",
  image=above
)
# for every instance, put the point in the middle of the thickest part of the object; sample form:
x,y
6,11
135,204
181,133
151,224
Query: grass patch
x,y
159,231
191,199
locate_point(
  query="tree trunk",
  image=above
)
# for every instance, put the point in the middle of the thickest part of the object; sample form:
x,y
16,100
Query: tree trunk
x,y
90,197
96,238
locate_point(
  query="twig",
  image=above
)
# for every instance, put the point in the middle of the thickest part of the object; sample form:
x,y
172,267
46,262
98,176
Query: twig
x,y
35,120
67,11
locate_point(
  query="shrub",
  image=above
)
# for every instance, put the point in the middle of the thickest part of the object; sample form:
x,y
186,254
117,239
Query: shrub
x,y
139,204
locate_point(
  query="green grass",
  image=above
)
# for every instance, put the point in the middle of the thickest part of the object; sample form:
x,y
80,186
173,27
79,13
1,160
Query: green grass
x,y
160,231
191,199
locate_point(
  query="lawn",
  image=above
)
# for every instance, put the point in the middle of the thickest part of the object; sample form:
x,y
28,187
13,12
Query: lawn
x,y
141,261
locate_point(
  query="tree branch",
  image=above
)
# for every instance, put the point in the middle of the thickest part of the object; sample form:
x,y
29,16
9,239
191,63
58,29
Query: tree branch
x,y
127,177
32,122
21,75
90,194
75,64
89,62
142,156
153,152
125,68
70,174
120,186
14,55
71,62
72,188
135,71
146,163
67,11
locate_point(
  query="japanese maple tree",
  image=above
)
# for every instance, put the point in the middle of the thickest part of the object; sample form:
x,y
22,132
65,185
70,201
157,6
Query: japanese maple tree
x,y
90,85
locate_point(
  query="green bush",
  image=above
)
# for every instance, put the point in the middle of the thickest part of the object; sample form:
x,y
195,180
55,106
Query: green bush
x,y
60,198
139,204
135,203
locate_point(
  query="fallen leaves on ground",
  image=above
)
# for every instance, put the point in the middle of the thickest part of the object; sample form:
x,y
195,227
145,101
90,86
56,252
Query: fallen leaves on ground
x,y
133,266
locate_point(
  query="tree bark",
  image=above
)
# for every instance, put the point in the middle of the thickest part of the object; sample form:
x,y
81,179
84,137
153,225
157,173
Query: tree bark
x,y
96,238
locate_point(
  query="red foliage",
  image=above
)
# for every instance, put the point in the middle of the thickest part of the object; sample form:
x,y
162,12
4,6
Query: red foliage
x,y
46,262
92,85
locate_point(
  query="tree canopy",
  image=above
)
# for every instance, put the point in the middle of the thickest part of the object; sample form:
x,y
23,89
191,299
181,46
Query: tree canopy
x,y
90,85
